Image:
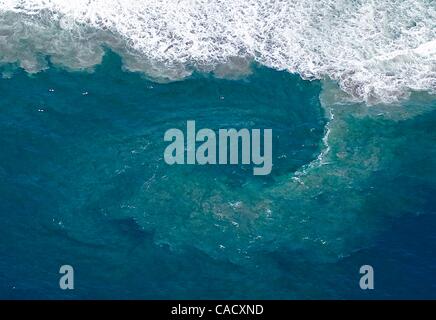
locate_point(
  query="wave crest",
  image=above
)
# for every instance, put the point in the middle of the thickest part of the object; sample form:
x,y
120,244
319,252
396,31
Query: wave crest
x,y
377,51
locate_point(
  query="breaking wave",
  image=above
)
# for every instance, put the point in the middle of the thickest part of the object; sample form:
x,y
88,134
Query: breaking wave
x,y
377,51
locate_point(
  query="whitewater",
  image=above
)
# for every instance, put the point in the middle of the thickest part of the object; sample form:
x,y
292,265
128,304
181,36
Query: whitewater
x,y
376,51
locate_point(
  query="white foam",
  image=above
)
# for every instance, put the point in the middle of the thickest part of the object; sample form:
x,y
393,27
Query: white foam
x,y
377,50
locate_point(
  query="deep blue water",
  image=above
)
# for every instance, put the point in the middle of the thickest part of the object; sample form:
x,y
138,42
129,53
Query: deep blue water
x,y
83,182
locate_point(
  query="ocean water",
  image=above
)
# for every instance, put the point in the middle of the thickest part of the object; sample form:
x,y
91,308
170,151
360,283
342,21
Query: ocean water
x,y
89,89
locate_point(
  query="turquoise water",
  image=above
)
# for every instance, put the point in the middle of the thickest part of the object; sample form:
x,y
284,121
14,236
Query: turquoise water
x,y
83,182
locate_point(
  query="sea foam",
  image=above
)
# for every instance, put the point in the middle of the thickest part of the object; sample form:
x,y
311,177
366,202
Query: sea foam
x,y
377,51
